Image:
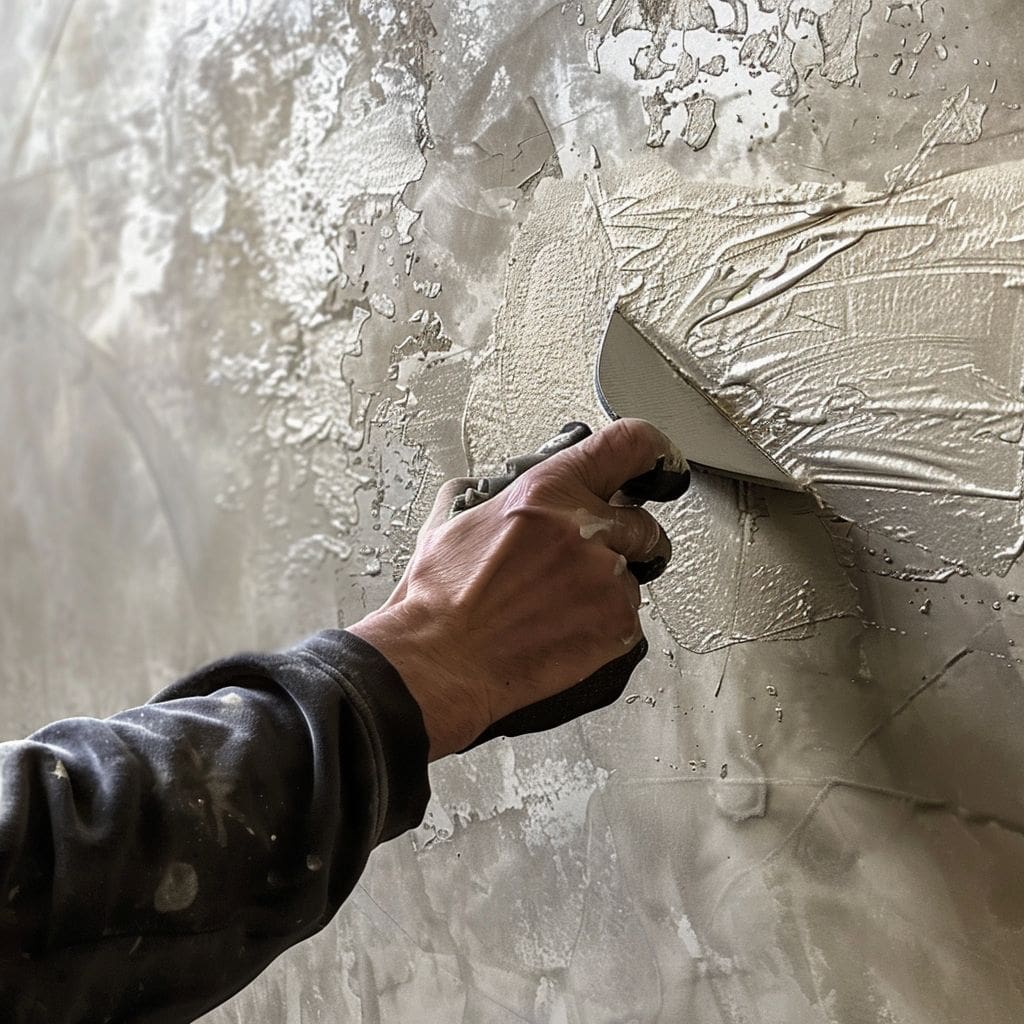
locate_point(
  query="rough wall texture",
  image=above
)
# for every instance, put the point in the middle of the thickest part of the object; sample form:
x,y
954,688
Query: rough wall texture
x,y
271,271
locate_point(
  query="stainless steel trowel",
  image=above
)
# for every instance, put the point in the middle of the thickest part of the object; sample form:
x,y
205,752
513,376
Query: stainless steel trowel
x,y
633,378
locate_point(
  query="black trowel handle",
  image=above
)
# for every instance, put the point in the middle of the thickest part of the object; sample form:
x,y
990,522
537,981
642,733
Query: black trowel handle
x,y
489,486
604,686
657,484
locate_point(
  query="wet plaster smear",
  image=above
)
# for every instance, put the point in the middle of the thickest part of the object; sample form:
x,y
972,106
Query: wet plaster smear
x,y
869,342
270,274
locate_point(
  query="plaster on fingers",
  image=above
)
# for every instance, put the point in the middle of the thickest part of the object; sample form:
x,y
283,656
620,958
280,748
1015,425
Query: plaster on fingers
x,y
632,532
591,525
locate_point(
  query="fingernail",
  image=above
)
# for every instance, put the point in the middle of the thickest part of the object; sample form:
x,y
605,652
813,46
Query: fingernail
x,y
675,460
650,570
658,484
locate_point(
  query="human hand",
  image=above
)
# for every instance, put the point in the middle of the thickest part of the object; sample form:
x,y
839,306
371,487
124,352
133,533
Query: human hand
x,y
523,596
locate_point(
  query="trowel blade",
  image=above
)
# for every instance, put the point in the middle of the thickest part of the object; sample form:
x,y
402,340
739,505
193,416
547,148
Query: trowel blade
x,y
634,379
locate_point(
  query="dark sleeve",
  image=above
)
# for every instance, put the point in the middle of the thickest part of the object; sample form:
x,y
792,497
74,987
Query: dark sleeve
x,y
153,863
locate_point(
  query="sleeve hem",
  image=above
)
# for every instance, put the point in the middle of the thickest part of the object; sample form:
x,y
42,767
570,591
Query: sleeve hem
x,y
394,719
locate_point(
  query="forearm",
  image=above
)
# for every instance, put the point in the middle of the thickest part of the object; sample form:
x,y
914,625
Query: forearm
x,y
154,862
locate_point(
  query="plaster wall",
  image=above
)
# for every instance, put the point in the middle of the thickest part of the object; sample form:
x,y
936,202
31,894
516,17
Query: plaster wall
x,y
270,272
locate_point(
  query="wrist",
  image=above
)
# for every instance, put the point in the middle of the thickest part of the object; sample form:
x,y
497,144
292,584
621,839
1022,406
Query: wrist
x,y
421,648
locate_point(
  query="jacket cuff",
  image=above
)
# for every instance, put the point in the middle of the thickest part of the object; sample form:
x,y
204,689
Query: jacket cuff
x,y
401,744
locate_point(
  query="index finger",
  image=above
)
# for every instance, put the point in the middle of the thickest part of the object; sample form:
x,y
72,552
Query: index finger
x,y
623,450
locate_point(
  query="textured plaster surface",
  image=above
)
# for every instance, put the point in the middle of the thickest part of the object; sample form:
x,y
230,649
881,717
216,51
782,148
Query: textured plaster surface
x,y
270,272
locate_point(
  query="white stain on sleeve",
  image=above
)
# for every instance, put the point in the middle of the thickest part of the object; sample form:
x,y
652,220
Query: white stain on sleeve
x,y
59,770
177,889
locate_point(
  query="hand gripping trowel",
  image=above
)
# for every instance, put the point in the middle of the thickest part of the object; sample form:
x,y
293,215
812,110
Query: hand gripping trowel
x,y
634,377
605,685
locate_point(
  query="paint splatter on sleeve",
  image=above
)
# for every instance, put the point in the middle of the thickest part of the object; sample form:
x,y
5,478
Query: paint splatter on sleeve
x,y
153,863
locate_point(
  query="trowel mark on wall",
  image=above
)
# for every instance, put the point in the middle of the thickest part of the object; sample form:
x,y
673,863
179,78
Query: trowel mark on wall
x,y
959,121
746,565
520,148
749,564
902,413
872,344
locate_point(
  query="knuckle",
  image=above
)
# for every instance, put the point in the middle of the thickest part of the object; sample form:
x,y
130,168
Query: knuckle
x,y
532,490
533,503
558,476
450,490
629,435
